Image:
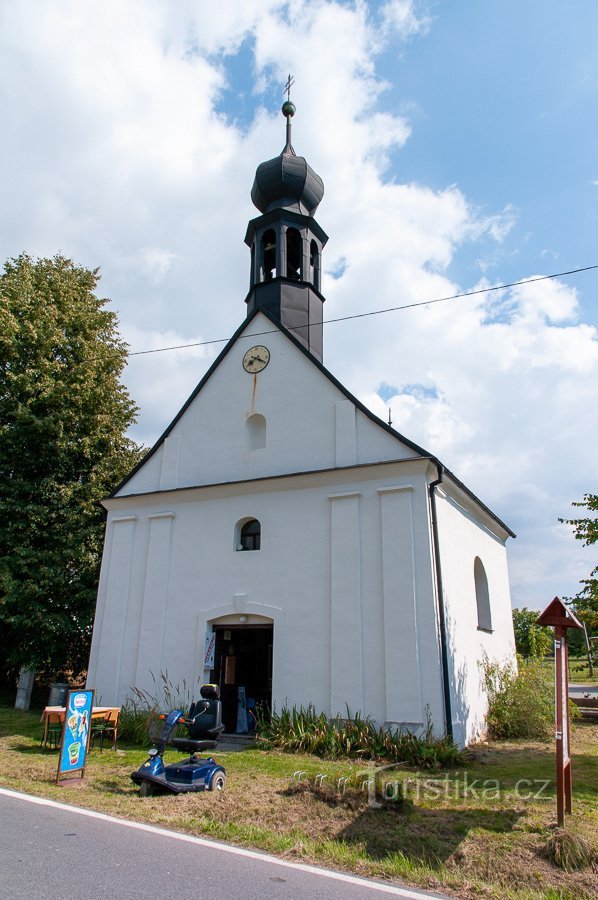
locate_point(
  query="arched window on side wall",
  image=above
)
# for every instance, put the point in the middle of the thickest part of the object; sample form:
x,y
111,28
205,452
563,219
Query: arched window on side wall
x,y
249,535
256,432
482,595
294,254
269,254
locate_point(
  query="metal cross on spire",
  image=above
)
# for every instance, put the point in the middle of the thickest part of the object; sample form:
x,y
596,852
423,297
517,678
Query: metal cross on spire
x,y
288,86
288,110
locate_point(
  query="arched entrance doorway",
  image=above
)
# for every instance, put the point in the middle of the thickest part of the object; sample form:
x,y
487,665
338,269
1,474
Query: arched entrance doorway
x,y
242,660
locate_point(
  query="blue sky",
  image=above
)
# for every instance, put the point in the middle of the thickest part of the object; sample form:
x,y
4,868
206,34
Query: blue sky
x,y
458,146
502,98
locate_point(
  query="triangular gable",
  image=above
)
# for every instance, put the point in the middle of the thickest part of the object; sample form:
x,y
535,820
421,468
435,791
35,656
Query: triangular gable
x,y
386,444
414,449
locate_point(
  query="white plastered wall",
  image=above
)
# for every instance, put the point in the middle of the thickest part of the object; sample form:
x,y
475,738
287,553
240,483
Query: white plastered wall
x,y
465,533
310,423
344,573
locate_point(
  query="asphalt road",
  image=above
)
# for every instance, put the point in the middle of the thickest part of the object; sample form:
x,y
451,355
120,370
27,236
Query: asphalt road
x,y
579,691
54,850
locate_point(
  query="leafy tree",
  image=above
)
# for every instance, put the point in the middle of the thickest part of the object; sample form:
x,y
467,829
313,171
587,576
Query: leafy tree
x,y
63,418
531,639
585,603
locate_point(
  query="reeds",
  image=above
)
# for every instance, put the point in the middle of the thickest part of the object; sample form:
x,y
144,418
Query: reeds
x,y
141,708
305,731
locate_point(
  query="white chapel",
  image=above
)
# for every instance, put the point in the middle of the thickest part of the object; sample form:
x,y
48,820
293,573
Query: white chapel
x,y
298,549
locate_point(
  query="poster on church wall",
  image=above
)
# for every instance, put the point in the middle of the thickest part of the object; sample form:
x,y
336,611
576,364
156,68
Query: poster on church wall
x,y
209,650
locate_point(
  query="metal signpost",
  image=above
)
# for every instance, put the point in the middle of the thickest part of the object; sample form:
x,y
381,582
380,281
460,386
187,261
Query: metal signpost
x,y
76,733
561,618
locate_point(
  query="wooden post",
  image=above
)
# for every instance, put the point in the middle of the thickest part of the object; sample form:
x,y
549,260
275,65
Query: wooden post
x,y
561,724
557,615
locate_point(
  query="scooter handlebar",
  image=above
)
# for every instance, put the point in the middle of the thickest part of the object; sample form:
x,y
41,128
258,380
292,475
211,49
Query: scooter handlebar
x,y
185,720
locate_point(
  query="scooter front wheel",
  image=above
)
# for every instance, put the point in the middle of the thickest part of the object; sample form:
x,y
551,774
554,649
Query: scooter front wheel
x,y
217,781
146,789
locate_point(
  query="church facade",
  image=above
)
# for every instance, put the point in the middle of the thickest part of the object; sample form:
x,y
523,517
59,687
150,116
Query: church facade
x,y
295,546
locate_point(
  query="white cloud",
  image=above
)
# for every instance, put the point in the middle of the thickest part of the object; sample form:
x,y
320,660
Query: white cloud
x,y
403,17
500,224
551,300
161,382
156,261
512,416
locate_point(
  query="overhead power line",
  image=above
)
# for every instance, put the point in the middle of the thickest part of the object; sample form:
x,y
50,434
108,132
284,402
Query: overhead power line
x,y
379,312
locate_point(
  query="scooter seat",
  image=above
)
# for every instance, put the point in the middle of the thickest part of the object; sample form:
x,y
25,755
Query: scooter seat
x,y
186,745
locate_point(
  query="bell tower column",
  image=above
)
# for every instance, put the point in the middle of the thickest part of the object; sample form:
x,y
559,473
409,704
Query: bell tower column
x,y
286,243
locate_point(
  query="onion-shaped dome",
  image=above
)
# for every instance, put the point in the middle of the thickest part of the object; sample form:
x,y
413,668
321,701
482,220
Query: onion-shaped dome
x,y
287,181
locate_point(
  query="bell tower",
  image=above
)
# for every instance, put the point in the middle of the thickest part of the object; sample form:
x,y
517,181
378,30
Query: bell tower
x,y
286,243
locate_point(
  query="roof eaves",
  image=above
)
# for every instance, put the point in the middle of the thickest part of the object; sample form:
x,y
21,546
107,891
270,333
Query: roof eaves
x,y
476,499
301,473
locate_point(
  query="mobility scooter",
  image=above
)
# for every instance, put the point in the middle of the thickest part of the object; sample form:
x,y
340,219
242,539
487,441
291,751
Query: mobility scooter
x,y
204,727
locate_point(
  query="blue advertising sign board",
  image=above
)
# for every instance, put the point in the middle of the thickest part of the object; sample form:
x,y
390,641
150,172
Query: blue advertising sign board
x,y
75,733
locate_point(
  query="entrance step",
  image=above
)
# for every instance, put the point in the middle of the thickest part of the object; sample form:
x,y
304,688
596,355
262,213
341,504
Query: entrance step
x,y
230,743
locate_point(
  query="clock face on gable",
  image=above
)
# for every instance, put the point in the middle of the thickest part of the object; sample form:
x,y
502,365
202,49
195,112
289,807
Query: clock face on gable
x,y
256,359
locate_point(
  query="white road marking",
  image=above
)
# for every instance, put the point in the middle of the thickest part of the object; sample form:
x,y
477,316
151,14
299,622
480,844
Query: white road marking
x,y
226,848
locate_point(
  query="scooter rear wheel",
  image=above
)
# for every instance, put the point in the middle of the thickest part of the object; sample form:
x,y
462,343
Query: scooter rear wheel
x,y
217,781
146,789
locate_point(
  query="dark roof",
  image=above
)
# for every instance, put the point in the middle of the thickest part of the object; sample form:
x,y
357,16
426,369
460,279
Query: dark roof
x,y
287,182
367,412
299,473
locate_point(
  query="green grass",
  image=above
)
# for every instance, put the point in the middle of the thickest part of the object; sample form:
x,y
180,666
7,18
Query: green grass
x,y
579,671
469,844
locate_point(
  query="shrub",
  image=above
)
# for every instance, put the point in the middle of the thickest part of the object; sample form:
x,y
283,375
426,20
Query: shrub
x,y
303,730
134,723
520,699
